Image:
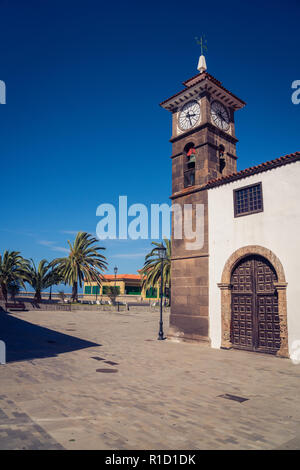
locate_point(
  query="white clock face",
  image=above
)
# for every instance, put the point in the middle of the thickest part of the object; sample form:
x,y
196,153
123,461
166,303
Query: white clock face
x,y
189,115
219,115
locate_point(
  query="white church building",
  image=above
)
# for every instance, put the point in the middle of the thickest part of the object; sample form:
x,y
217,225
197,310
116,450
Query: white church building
x,y
241,289
254,237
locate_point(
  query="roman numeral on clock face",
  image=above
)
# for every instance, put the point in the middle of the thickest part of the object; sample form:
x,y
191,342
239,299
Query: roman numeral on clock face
x,y
219,115
189,115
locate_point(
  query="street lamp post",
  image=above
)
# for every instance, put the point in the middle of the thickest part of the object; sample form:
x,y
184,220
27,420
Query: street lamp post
x,y
115,271
162,255
50,294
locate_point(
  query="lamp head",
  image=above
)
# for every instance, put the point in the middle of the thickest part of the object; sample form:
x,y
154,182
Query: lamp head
x,y
162,252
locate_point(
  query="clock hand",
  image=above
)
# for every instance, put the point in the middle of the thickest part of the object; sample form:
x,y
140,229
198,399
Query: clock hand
x,y
189,117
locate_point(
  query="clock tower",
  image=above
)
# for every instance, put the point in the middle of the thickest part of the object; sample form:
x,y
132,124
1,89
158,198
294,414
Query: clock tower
x,y
203,148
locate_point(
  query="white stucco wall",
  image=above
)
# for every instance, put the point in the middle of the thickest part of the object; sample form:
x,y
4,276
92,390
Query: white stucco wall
x,y
276,228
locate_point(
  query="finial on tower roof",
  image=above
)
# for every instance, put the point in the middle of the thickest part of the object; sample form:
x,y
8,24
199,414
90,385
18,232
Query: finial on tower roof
x,y
202,62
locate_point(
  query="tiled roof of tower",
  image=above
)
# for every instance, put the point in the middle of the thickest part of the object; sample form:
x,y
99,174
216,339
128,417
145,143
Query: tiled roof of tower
x,y
286,159
199,78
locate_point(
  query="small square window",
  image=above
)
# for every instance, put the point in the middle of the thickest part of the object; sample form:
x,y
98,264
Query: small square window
x,y
248,200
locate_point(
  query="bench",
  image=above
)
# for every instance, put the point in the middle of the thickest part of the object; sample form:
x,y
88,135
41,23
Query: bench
x,y
63,307
15,306
137,304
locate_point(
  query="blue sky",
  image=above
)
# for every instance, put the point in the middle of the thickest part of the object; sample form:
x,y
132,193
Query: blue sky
x,y
82,123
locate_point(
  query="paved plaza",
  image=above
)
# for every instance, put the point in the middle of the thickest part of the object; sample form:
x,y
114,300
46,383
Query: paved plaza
x,y
101,380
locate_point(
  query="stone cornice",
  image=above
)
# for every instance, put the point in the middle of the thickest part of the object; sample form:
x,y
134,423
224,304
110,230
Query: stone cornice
x,y
208,125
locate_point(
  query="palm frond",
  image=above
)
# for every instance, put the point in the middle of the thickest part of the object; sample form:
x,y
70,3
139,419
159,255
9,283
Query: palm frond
x,y
13,270
83,263
151,271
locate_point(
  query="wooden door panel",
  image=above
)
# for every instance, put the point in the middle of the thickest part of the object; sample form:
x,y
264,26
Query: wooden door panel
x,y
242,278
268,324
255,321
242,326
264,277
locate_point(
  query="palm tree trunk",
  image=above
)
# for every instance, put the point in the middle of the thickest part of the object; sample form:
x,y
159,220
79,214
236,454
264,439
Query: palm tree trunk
x,y
38,296
1,293
75,292
2,299
4,291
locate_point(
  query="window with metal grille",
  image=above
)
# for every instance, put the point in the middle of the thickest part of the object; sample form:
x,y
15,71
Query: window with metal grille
x,y
96,290
105,289
151,293
133,290
248,200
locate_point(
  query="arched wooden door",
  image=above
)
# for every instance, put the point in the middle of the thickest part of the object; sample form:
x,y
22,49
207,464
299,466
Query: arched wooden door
x,y
254,306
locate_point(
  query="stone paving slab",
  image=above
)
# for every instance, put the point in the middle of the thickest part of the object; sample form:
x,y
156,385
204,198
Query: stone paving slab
x,y
160,395
19,432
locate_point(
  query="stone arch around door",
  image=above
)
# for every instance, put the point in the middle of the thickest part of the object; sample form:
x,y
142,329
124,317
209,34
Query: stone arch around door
x,y
280,286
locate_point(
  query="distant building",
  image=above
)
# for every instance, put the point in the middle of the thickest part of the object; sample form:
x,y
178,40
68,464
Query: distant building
x,y
127,285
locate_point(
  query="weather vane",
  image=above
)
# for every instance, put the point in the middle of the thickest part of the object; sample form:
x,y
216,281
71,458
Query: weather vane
x,y
202,43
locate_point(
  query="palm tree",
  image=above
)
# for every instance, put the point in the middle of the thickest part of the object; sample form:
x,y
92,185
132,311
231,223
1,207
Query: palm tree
x,y
112,292
12,270
152,267
83,263
42,277
13,289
